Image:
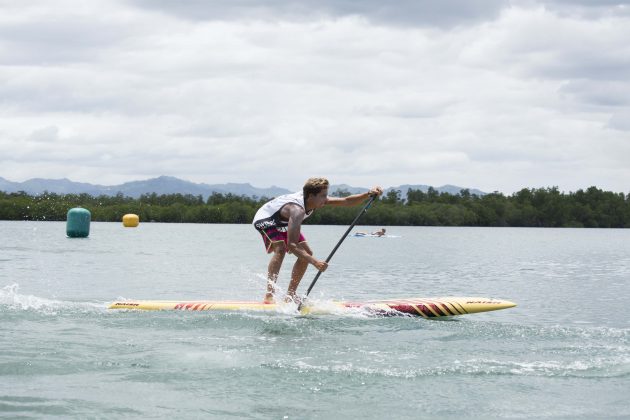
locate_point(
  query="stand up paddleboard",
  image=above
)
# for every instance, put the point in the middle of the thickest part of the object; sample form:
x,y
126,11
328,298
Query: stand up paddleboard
x,y
424,307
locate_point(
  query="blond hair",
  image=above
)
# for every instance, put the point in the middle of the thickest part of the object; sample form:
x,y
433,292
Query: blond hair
x,y
314,186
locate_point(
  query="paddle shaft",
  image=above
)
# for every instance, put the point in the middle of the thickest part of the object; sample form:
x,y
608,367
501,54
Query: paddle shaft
x,y
356,219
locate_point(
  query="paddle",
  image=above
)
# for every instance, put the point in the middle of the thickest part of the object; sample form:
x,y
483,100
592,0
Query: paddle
x,y
356,219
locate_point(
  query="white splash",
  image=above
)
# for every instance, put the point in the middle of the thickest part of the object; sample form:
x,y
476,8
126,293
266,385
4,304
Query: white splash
x,y
10,297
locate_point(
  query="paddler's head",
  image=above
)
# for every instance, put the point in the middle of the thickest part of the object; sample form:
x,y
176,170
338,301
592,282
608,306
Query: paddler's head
x,y
315,192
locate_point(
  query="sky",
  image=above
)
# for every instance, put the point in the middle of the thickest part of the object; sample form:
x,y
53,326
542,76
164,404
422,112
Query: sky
x,y
494,95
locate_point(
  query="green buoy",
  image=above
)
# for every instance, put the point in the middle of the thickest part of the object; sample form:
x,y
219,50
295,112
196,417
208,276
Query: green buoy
x,y
78,223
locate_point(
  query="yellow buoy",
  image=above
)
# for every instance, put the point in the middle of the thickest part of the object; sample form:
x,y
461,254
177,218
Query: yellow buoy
x,y
130,220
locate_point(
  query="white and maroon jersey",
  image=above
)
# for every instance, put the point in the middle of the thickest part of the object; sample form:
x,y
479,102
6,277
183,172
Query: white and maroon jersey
x,y
269,214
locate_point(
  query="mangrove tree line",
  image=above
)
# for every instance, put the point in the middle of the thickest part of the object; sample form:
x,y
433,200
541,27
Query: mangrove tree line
x,y
542,207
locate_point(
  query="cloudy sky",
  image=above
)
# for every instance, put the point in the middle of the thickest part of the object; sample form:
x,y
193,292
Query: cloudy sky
x,y
495,95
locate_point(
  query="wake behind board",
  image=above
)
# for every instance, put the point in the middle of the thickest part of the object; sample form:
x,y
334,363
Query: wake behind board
x,y
424,307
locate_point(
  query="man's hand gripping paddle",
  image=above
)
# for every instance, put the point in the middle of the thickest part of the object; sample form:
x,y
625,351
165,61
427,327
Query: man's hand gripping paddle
x,y
356,219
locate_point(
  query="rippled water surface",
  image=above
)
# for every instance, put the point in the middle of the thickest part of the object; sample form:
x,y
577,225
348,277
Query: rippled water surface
x,y
563,352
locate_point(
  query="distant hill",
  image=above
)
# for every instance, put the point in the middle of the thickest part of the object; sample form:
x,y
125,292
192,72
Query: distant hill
x,y
39,185
451,189
172,185
160,185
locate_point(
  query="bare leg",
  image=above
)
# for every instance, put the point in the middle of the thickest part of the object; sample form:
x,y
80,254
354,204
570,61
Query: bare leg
x,y
274,268
299,268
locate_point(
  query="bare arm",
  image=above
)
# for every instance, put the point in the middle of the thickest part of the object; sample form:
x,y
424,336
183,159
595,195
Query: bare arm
x,y
353,200
296,216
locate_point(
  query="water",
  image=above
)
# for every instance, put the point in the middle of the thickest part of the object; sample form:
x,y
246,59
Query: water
x,y
563,352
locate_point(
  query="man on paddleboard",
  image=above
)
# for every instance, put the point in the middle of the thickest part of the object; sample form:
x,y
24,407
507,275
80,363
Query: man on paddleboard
x,y
279,221
378,233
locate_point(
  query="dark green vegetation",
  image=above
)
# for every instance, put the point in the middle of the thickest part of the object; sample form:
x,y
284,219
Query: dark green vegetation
x,y
544,207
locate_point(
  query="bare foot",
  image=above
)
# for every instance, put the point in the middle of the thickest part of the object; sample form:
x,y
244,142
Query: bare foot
x,y
268,299
293,299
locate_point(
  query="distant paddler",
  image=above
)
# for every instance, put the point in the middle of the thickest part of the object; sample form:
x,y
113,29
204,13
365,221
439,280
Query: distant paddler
x,y
279,222
378,233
